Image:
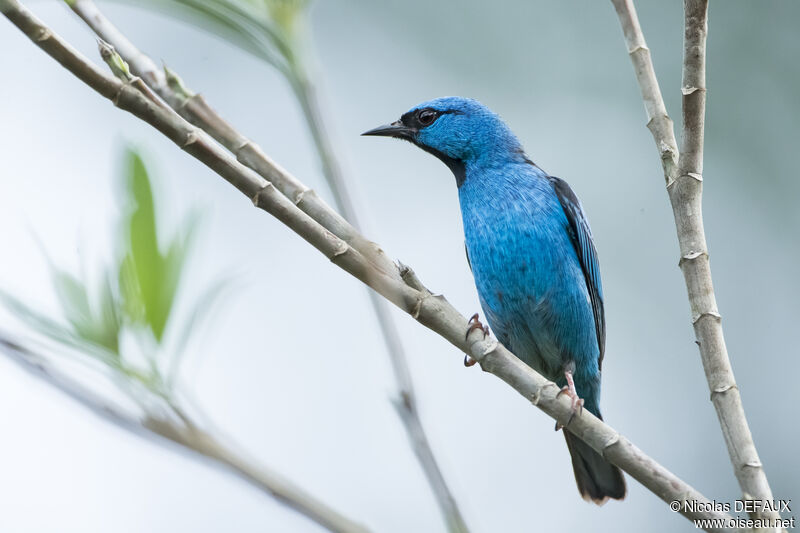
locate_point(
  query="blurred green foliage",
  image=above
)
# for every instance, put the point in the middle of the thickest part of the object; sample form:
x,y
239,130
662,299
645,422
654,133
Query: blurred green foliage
x,y
148,279
135,296
275,31
268,29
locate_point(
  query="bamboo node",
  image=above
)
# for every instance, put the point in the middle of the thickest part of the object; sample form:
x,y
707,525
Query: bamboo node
x,y
723,389
712,313
614,439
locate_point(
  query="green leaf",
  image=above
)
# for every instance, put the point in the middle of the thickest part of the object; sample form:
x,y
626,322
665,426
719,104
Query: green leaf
x,y
133,307
73,298
59,333
148,279
108,317
285,13
147,298
96,324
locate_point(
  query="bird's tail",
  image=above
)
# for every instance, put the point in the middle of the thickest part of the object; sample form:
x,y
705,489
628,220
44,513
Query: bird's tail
x,y
598,480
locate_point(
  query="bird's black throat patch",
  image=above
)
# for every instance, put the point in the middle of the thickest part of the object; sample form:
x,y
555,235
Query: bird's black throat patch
x,y
456,166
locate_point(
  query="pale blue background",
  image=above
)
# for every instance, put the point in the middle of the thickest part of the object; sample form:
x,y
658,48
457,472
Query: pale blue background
x,y
316,406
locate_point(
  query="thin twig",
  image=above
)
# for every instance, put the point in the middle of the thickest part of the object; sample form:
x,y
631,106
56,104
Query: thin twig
x,y
430,310
684,178
180,429
267,480
194,108
658,121
39,366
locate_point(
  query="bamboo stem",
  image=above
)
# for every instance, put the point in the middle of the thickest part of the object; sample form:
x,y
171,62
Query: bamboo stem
x,y
683,173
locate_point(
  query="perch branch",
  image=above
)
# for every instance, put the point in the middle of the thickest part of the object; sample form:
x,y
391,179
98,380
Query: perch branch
x,y
195,109
683,173
430,310
181,430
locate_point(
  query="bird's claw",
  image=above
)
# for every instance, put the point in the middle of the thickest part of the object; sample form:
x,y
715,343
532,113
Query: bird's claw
x,y
474,323
577,401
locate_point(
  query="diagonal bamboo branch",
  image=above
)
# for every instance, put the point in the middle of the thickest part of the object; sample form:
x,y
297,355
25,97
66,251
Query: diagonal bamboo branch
x,y
430,310
176,426
683,173
194,108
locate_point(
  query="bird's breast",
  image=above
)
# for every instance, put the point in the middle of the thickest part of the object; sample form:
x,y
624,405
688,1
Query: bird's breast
x,y
516,256
528,275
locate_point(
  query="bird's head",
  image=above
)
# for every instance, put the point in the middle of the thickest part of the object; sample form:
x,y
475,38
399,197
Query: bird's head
x,y
459,131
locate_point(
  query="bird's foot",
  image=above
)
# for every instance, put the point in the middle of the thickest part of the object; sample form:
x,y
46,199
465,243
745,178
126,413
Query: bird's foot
x,y
577,401
474,323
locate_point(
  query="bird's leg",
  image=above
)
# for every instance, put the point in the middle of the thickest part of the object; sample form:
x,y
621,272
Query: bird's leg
x,y
577,401
474,323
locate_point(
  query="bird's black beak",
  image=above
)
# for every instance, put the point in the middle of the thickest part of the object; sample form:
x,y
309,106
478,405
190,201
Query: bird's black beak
x,y
395,129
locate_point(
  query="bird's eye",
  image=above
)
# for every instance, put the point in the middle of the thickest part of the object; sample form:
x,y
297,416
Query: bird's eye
x,y
427,116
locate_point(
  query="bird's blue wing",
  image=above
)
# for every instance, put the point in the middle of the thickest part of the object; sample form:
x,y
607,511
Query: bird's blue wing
x,y
581,236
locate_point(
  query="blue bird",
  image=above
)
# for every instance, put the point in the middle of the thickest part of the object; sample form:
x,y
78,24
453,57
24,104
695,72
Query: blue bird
x,y
532,256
